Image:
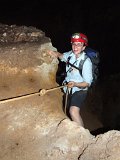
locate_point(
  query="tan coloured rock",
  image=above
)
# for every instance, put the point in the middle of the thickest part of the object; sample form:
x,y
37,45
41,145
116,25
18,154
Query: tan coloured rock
x,y
35,127
106,146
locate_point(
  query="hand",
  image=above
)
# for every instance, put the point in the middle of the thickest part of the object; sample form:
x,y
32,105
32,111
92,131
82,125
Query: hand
x,y
53,54
71,84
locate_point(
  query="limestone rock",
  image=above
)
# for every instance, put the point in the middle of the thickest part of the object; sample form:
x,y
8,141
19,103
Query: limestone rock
x,y
36,127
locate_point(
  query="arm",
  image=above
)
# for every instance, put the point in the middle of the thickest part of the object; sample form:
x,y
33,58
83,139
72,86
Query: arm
x,y
78,84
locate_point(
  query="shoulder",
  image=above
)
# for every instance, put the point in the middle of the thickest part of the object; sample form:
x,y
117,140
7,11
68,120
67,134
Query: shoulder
x,y
67,54
84,57
87,60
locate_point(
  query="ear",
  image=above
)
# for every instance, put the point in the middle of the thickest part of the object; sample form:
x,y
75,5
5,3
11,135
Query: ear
x,y
83,48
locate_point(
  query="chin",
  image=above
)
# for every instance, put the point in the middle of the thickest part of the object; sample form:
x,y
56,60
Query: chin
x,y
76,53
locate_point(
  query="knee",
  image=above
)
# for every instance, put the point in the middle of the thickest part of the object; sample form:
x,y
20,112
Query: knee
x,y
74,111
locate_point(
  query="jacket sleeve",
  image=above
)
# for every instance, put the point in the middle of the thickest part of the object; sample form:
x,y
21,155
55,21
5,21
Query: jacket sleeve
x,y
65,56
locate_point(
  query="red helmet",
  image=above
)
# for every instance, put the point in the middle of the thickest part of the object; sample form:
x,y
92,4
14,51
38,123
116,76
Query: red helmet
x,y
79,37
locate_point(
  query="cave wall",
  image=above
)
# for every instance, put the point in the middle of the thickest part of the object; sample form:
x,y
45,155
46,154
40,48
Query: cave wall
x,y
36,127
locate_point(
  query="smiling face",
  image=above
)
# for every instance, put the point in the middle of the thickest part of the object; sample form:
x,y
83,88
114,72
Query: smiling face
x,y
77,47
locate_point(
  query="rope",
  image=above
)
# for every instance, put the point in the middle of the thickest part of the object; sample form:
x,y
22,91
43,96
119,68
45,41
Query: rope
x,y
41,92
66,100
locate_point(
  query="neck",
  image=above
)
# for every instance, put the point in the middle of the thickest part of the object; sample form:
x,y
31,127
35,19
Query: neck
x,y
78,55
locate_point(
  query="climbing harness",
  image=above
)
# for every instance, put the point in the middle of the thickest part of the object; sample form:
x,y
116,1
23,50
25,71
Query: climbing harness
x,y
41,92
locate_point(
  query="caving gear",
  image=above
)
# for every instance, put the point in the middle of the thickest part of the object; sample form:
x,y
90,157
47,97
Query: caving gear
x,y
41,92
95,59
79,37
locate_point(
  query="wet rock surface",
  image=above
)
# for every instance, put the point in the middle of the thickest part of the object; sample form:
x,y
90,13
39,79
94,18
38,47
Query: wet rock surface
x,y
36,127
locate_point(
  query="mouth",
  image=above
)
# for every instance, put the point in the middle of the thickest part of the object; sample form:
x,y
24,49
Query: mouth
x,y
75,50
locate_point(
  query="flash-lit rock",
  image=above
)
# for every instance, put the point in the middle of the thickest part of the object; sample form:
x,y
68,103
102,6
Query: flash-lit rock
x,y
35,127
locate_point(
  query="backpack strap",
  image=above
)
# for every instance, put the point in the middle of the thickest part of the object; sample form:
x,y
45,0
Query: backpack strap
x,y
81,64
